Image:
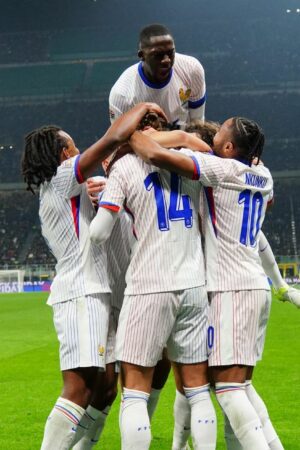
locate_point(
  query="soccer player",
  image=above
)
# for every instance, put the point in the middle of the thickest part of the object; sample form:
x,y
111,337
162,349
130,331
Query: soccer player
x,y
174,81
237,193
80,291
165,302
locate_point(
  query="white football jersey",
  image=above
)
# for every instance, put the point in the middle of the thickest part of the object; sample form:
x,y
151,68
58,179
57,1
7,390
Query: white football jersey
x,y
119,247
234,205
65,213
179,95
167,254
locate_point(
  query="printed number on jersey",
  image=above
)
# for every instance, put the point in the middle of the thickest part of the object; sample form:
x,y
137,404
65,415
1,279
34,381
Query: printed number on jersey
x,y
180,205
252,209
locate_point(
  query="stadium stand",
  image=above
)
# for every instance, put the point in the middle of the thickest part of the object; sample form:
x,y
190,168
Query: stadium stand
x,y
64,77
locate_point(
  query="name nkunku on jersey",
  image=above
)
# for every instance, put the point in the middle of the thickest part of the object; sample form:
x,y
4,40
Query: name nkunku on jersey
x,y
167,254
65,213
235,200
179,95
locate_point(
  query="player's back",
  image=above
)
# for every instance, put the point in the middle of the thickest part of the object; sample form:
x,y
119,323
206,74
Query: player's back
x,y
234,210
167,254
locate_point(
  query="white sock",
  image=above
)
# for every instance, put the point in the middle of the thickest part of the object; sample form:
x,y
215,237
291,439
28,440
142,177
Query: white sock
x,y
259,406
242,416
182,421
203,417
135,423
232,442
269,263
92,424
61,426
152,402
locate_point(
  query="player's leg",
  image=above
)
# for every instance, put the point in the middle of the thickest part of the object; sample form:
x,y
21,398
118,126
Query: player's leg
x,y
94,418
282,290
104,394
234,318
160,376
81,325
182,415
144,326
187,349
261,409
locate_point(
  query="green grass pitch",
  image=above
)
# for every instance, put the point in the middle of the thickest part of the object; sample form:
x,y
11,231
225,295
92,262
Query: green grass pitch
x,y
30,379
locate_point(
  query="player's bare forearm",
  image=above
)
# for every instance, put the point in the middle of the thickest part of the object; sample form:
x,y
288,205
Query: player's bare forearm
x,y
179,138
151,152
118,133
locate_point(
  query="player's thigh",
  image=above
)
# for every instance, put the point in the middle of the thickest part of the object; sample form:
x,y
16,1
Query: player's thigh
x,y
187,343
145,324
262,325
82,326
234,318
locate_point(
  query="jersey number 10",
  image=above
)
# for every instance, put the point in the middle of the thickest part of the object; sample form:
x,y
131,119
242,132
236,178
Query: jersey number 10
x,y
253,204
174,212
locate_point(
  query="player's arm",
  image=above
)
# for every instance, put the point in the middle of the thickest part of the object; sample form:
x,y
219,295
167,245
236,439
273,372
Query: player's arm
x,y
102,225
118,133
153,153
197,100
178,138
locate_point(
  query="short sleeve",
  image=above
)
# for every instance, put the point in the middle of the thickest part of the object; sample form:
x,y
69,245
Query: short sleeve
x,y
115,191
68,180
197,76
210,170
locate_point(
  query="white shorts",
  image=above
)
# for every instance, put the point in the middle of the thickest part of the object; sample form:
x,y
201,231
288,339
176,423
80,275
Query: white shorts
x,y
111,339
82,325
150,322
237,326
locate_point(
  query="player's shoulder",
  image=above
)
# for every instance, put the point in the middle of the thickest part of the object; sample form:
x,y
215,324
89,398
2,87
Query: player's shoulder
x,y
127,75
187,61
123,164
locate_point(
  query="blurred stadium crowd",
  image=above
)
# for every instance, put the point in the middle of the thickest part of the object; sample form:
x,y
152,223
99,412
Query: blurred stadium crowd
x,y
64,78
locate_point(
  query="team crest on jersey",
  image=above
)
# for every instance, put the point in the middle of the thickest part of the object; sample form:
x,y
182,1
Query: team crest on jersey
x,y
101,350
184,95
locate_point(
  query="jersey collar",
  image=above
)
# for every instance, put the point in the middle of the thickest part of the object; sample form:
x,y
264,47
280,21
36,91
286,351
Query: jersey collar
x,y
149,83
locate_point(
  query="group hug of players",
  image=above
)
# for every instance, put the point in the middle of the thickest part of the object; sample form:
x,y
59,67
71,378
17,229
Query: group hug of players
x,y
172,267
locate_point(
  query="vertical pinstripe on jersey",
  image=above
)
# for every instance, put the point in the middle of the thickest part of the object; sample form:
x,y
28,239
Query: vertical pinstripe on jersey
x,y
230,264
185,89
65,213
119,247
161,260
238,321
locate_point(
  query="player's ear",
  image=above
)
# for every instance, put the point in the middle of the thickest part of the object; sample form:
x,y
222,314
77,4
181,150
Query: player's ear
x,y
141,55
65,153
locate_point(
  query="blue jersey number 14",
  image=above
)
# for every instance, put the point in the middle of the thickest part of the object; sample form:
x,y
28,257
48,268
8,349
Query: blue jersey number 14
x,y
174,212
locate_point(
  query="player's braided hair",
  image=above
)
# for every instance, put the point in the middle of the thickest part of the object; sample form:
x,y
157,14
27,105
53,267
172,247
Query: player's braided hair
x,y
155,29
205,130
41,155
249,138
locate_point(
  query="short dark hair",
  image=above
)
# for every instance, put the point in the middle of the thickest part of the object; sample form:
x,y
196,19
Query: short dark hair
x,y
205,130
41,156
155,29
248,138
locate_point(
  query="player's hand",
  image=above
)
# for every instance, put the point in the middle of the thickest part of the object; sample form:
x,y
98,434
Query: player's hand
x,y
94,186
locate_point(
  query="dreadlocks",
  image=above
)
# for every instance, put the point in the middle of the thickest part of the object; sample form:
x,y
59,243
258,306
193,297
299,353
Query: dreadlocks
x,y
41,155
249,138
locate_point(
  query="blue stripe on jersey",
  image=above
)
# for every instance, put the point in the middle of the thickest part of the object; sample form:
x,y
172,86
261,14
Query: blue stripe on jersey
x,y
197,103
211,207
78,174
197,170
149,83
